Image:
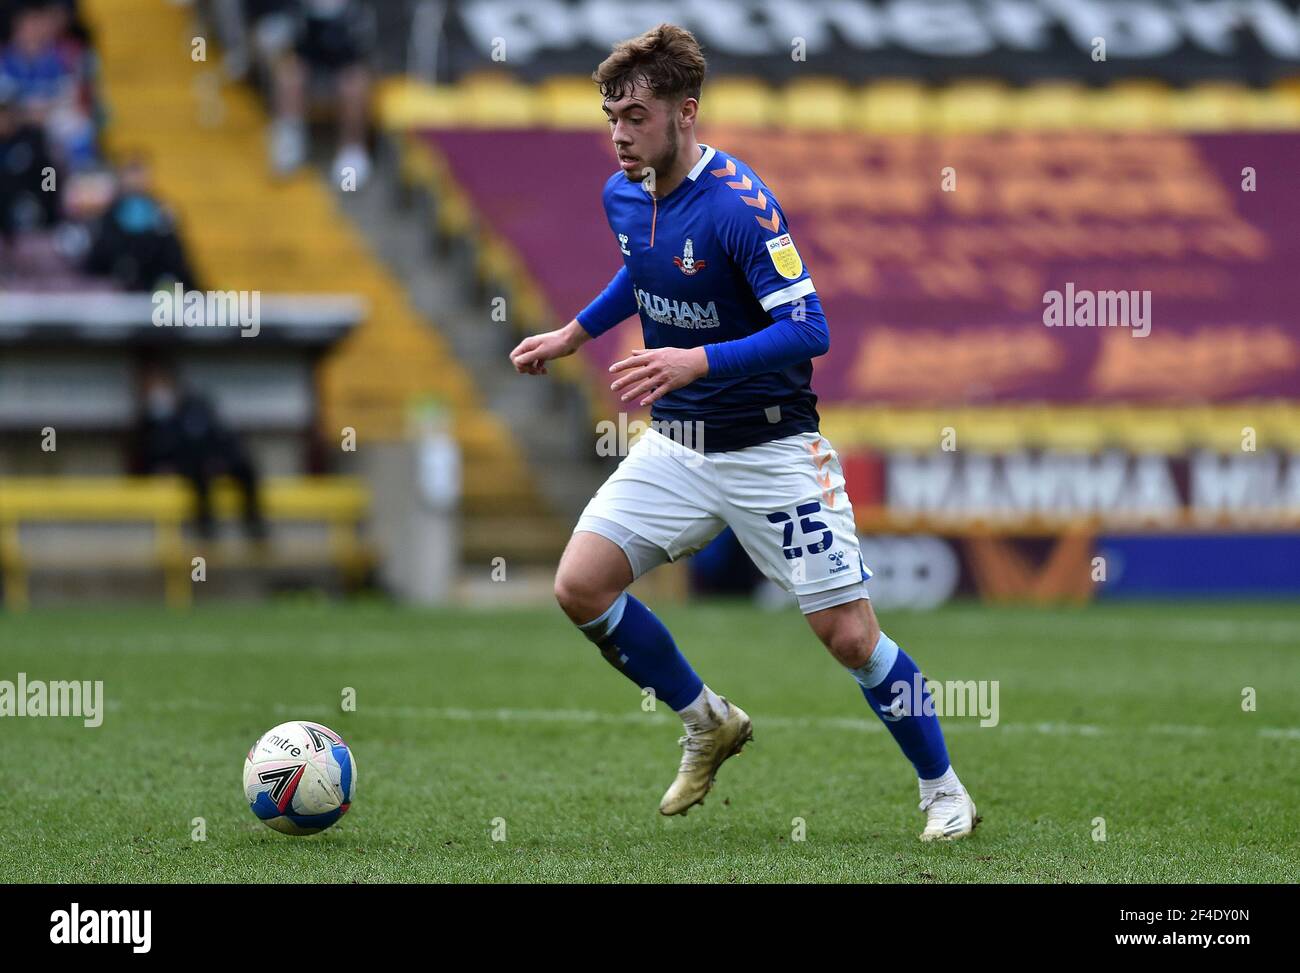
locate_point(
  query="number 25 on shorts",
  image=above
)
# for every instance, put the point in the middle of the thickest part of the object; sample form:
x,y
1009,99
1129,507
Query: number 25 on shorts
x,y
807,525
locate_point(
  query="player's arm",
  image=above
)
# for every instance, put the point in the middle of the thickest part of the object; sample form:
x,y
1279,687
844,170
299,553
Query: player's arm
x,y
798,332
784,289
616,303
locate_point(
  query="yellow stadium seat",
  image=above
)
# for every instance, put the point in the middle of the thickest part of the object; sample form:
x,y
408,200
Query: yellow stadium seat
x,y
991,430
1051,104
568,102
739,101
164,503
492,100
891,106
816,103
1211,107
1230,429
1138,105
403,104
1148,430
973,106
1274,109
1069,430
1280,425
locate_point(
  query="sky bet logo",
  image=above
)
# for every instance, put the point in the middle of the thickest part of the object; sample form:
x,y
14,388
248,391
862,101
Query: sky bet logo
x,y
108,926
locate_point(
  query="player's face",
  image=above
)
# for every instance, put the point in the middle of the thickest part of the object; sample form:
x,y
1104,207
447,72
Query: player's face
x,y
645,132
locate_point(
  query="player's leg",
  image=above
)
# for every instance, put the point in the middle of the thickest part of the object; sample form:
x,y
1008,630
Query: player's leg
x,y
654,508
790,510
896,691
589,586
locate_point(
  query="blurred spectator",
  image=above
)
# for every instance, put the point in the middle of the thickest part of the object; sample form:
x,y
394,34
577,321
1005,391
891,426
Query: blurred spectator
x,y
180,433
28,181
314,41
46,66
135,240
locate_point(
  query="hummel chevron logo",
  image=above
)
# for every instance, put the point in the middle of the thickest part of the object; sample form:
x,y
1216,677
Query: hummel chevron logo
x,y
823,476
773,222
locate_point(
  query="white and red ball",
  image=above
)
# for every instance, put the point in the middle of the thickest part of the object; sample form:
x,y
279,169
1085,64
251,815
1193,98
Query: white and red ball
x,y
299,777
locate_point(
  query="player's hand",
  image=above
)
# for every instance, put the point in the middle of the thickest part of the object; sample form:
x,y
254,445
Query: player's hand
x,y
531,355
654,372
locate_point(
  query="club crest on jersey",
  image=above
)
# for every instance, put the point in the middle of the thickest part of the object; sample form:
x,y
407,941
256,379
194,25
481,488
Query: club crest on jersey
x,y
784,256
687,263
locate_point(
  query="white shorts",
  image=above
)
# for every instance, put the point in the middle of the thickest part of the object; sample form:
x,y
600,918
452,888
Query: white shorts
x,y
784,499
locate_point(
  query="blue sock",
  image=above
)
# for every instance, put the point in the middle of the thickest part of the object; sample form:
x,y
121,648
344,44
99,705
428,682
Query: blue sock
x,y
638,645
902,708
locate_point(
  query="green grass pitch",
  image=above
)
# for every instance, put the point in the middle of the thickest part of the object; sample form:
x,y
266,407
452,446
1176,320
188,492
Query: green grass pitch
x,y
464,720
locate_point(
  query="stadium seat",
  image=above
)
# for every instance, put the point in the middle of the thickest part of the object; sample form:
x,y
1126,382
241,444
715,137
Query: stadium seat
x,y
489,100
1138,105
1049,105
1064,430
338,504
816,103
891,106
1211,107
569,102
1273,109
973,106
1148,430
740,101
993,430
402,103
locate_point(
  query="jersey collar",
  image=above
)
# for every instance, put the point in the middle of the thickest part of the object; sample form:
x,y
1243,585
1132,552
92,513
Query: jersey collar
x,y
705,157
704,161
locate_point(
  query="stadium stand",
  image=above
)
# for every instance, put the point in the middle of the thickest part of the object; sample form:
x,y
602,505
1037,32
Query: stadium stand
x,y
246,232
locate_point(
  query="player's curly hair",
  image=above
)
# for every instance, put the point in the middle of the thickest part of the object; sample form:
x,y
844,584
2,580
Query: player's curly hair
x,y
667,58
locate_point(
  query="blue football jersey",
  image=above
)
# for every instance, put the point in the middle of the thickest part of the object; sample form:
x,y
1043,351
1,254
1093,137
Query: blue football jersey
x,y
708,263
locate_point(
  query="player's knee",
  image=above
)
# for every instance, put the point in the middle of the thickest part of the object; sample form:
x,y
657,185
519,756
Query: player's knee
x,y
852,639
567,592
579,597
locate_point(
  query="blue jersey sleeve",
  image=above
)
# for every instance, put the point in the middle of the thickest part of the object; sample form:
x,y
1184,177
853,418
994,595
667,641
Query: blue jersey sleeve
x,y
752,228
754,235
797,333
615,304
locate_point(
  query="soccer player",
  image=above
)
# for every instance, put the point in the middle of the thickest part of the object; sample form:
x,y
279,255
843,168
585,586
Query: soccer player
x,y
731,322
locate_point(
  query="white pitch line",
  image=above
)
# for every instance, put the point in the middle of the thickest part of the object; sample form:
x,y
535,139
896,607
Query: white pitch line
x,y
1197,631
1051,626
585,717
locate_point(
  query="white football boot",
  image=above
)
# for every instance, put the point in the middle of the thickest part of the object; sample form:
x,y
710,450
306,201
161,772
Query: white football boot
x,y
703,753
948,815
